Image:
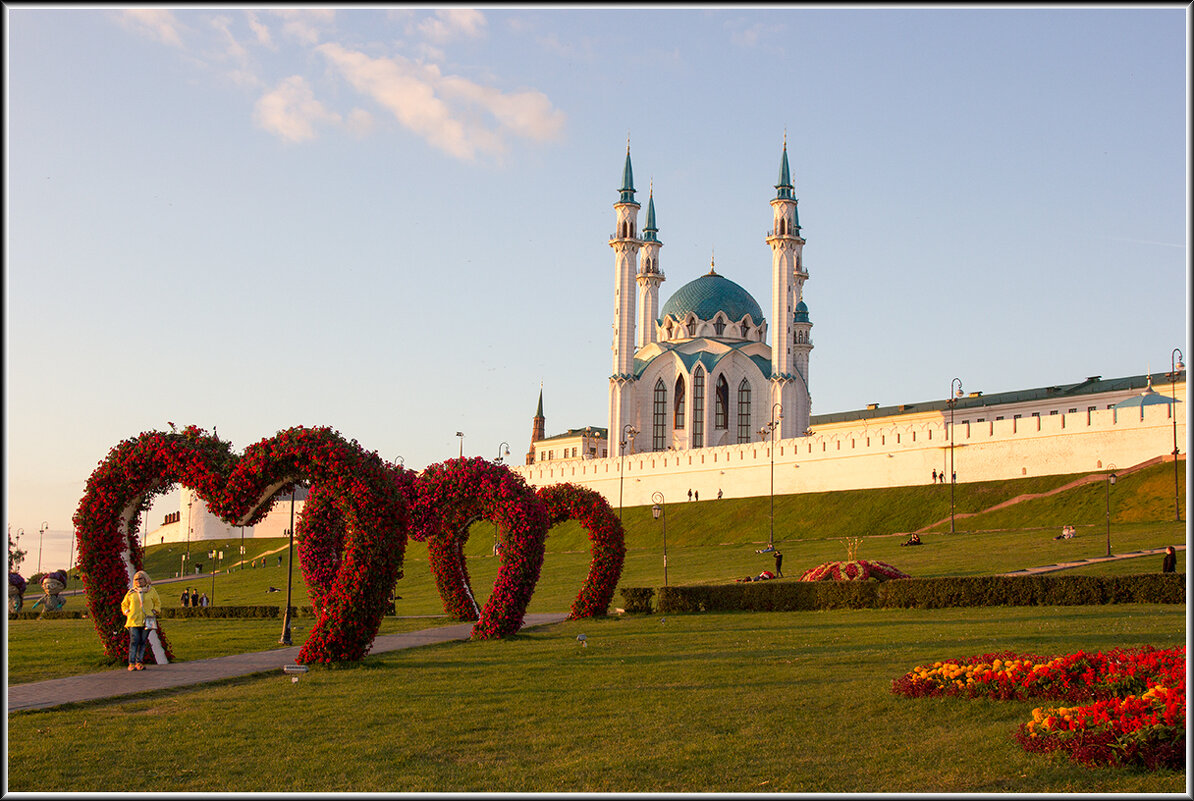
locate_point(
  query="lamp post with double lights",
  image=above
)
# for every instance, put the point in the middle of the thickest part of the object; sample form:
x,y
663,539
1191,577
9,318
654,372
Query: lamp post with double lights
x,y
214,555
1110,482
953,477
503,450
41,535
769,429
629,432
289,574
659,513
1175,364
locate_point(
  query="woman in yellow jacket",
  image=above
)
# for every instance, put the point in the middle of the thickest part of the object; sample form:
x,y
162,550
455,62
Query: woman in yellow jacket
x,y
139,602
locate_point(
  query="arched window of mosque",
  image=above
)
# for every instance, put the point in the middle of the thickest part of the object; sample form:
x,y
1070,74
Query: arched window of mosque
x,y
678,404
698,408
668,329
721,404
744,411
719,325
659,417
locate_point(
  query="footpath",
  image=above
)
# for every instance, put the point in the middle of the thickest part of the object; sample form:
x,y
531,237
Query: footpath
x,y
122,682
1028,571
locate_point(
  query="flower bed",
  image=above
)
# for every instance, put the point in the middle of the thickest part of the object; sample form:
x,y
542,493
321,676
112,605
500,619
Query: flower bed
x,y
1130,703
856,570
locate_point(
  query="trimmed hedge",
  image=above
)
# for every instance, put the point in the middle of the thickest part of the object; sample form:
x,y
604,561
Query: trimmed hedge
x,y
637,599
935,593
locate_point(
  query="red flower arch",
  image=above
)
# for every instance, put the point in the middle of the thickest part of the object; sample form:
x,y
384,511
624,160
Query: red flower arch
x,y
359,485
607,543
450,496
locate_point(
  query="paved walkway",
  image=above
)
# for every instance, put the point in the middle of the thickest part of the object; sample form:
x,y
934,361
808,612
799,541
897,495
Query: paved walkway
x,y
122,682
1028,571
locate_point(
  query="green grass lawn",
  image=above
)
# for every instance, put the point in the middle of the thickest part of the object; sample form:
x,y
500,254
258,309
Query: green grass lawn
x,y
734,702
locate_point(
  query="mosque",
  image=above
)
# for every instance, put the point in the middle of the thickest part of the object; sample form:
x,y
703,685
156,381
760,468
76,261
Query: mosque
x,y
707,369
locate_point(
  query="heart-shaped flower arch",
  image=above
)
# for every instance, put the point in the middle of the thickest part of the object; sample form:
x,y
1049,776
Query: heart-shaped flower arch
x,y
358,484
450,496
607,543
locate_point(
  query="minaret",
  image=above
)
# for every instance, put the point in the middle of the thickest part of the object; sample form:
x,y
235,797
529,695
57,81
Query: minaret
x,y
649,279
536,428
789,380
626,244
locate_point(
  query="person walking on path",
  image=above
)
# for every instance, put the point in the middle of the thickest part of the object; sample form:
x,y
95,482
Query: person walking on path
x,y
1169,565
186,597
141,606
194,598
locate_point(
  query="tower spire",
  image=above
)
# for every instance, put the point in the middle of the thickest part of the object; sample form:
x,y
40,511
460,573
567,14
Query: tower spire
x,y
651,229
627,188
784,187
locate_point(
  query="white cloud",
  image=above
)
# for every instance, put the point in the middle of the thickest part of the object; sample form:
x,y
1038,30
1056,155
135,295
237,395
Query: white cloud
x,y
305,25
446,111
291,111
260,30
453,23
155,23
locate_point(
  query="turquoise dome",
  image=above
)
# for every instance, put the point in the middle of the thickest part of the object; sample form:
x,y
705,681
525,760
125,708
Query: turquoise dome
x,y
708,295
801,312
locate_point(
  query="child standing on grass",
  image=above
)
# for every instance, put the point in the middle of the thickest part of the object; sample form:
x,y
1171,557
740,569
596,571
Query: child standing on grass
x,y
139,603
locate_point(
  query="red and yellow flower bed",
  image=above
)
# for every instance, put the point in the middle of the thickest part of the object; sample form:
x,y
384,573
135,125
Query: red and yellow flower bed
x,y
1129,704
857,570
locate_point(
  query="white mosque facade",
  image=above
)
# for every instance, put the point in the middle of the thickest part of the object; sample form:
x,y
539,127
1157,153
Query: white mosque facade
x,y
707,369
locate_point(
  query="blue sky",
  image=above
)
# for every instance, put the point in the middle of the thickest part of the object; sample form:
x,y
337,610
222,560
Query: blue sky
x,y
395,221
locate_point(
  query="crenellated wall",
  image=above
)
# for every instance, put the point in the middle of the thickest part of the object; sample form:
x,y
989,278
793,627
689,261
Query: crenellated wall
x,y
884,452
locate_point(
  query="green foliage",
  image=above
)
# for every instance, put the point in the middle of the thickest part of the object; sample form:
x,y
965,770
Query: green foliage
x,y
637,599
937,593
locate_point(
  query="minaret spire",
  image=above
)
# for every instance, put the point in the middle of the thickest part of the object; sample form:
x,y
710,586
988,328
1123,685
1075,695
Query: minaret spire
x,y
627,188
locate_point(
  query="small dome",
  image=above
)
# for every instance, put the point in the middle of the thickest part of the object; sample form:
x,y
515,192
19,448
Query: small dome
x,y
801,313
708,295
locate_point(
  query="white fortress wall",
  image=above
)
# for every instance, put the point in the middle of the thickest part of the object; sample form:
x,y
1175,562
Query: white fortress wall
x,y
883,452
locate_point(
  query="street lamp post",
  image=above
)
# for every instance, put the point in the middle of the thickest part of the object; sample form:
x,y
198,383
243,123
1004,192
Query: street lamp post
x,y
190,523
461,435
953,476
1110,481
629,432
659,513
771,426
41,535
1174,366
214,554
503,450
289,574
